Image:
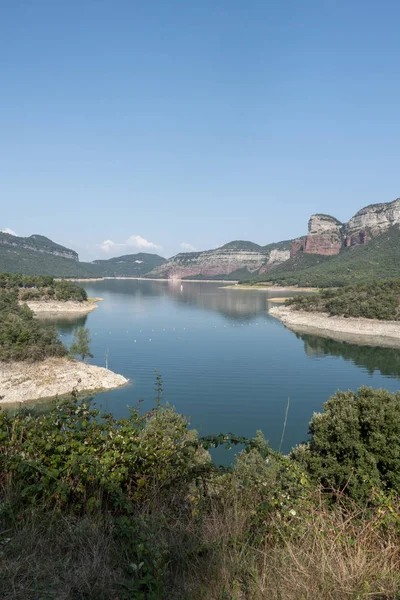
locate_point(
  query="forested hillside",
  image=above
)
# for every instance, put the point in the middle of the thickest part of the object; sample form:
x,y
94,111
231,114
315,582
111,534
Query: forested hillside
x,y
378,260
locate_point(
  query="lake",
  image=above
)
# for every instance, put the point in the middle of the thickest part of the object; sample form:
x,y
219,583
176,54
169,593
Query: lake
x,y
225,362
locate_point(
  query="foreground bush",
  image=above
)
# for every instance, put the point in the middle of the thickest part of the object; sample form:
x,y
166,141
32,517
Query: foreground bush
x,y
98,508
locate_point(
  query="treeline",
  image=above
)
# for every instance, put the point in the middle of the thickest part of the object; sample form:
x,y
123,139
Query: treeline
x,y
41,287
97,508
22,337
378,300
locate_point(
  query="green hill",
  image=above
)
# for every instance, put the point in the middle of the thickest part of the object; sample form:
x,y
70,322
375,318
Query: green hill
x,y
378,260
130,265
38,255
32,262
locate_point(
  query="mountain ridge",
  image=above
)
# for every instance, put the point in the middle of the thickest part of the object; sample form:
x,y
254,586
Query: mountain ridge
x,y
315,257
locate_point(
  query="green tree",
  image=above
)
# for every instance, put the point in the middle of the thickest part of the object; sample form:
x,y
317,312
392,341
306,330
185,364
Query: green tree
x,y
355,443
80,344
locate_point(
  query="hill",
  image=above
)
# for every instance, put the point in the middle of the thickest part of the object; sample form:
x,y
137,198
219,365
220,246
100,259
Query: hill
x,y
129,265
238,259
38,255
379,259
36,243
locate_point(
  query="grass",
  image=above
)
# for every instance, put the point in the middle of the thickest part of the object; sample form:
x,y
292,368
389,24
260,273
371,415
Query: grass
x,y
340,554
94,509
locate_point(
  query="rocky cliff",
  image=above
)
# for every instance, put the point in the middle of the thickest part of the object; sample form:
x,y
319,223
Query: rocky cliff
x,y
327,236
371,221
236,257
324,237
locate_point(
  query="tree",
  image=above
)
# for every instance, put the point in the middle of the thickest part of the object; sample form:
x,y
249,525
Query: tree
x,y
355,443
80,344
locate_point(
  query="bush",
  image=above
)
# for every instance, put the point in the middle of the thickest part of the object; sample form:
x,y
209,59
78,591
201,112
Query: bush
x,y
355,443
378,300
41,287
22,337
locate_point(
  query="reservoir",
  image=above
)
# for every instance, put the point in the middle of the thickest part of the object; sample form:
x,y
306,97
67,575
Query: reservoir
x,y
225,362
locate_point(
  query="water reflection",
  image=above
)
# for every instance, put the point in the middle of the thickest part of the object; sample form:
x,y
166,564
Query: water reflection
x,y
65,324
371,358
233,304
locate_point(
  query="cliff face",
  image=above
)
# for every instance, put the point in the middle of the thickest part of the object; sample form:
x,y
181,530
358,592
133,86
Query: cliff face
x,y
324,237
222,261
371,221
327,236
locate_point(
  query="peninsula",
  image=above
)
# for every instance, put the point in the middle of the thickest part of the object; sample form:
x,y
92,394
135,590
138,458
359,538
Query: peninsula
x,y
364,314
33,361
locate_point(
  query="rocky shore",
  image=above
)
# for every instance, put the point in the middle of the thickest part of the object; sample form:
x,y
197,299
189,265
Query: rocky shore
x,y
23,382
45,307
364,332
271,288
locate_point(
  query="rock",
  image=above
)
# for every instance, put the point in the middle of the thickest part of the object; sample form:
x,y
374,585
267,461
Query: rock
x,y
296,246
22,381
371,221
47,307
324,236
223,261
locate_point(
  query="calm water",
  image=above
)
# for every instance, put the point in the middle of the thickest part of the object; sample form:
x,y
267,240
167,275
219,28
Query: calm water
x,y
225,362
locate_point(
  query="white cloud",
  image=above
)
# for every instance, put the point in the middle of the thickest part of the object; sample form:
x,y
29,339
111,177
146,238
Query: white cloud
x,y
134,241
186,246
108,245
8,230
138,242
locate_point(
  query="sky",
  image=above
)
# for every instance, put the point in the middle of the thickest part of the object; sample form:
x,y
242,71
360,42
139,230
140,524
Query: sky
x,y
170,125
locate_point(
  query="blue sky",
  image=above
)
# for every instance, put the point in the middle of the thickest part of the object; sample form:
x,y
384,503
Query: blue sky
x,y
166,122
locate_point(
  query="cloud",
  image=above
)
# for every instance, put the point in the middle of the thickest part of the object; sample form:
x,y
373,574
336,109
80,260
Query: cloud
x,y
108,245
186,246
138,242
134,241
8,230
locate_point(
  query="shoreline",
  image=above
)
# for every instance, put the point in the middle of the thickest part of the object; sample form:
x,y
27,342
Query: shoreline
x,y
156,279
272,288
56,307
359,331
22,382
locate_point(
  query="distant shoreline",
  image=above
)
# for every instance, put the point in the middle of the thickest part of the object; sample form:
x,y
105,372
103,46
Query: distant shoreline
x,y
26,382
359,331
181,281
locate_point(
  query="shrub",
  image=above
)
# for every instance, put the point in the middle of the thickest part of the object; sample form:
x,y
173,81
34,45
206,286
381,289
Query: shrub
x,y
355,443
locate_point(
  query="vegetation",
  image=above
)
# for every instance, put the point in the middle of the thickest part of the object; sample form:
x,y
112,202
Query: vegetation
x,y
37,255
22,337
98,508
41,287
378,300
130,265
378,260
81,343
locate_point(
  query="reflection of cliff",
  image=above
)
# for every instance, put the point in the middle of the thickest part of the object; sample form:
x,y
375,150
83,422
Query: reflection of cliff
x,y
232,304
208,296
385,360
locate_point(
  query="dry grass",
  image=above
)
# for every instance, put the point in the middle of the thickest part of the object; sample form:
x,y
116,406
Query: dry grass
x,y
338,553
335,554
